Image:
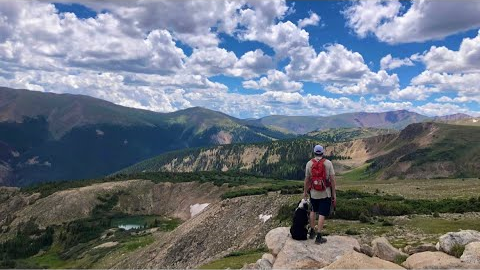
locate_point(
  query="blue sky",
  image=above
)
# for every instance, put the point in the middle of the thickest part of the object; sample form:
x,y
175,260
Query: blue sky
x,y
249,58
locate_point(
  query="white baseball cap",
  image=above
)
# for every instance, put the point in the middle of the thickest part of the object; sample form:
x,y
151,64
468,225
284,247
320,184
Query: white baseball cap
x,y
318,149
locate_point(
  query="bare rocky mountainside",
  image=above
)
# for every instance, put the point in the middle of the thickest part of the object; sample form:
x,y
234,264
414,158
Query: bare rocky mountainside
x,y
421,150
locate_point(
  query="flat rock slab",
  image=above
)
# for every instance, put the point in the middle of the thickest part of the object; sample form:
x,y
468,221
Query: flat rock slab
x,y
355,260
308,255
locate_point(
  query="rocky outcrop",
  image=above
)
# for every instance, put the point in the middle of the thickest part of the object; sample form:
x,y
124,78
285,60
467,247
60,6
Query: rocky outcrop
x,y
462,238
355,260
432,260
306,254
384,250
471,254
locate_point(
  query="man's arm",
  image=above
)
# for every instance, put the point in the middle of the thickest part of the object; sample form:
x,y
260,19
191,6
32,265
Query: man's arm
x,y
306,183
334,189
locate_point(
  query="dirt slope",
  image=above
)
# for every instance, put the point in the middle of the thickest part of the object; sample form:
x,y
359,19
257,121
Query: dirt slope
x,y
223,227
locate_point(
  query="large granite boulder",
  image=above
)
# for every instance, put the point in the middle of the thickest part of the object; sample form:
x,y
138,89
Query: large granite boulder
x,y
432,260
307,255
384,250
462,238
355,260
471,254
276,238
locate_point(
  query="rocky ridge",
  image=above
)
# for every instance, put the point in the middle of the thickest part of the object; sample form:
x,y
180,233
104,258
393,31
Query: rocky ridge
x,y
344,252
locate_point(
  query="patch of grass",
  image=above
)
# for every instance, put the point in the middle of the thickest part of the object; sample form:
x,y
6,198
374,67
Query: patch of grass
x,y
457,250
441,226
351,232
137,242
399,259
233,262
455,188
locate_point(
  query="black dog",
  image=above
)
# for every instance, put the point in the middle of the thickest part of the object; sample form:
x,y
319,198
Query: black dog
x,y
300,221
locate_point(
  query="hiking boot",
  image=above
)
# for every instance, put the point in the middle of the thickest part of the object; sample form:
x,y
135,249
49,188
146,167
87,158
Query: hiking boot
x,y
312,233
320,239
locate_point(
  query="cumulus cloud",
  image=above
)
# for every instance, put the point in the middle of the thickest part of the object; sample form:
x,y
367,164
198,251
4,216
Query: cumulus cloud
x,y
314,19
388,62
463,84
440,109
370,83
335,63
275,81
419,92
252,64
424,20
465,60
282,37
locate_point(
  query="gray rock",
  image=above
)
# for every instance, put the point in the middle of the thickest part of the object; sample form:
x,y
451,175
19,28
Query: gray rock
x,y
471,255
269,257
276,238
308,255
463,237
365,249
422,248
263,264
384,250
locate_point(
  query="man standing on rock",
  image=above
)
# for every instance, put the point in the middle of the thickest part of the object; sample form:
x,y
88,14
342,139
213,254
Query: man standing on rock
x,y
320,184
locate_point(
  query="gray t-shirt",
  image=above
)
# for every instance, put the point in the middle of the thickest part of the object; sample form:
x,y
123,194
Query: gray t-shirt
x,y
315,194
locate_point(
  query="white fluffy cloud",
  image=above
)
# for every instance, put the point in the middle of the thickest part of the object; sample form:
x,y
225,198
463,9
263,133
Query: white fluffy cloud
x,y
336,63
314,19
388,62
424,20
370,83
465,60
275,81
419,92
463,84
282,37
252,64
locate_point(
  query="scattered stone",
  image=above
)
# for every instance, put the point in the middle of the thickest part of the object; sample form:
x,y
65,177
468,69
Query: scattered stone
x,y
422,248
308,255
276,238
432,260
471,255
263,264
463,237
269,257
355,260
107,245
365,249
384,250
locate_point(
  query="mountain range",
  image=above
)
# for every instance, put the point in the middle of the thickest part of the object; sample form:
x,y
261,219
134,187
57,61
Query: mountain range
x,y
51,137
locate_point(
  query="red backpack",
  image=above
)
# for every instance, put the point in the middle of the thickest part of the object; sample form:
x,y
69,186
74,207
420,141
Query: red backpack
x,y
319,175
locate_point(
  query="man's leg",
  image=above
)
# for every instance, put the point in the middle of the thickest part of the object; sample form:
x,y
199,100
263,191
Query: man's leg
x,y
321,220
312,225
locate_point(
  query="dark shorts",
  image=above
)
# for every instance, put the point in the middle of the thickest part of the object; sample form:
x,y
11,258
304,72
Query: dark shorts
x,y
321,206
